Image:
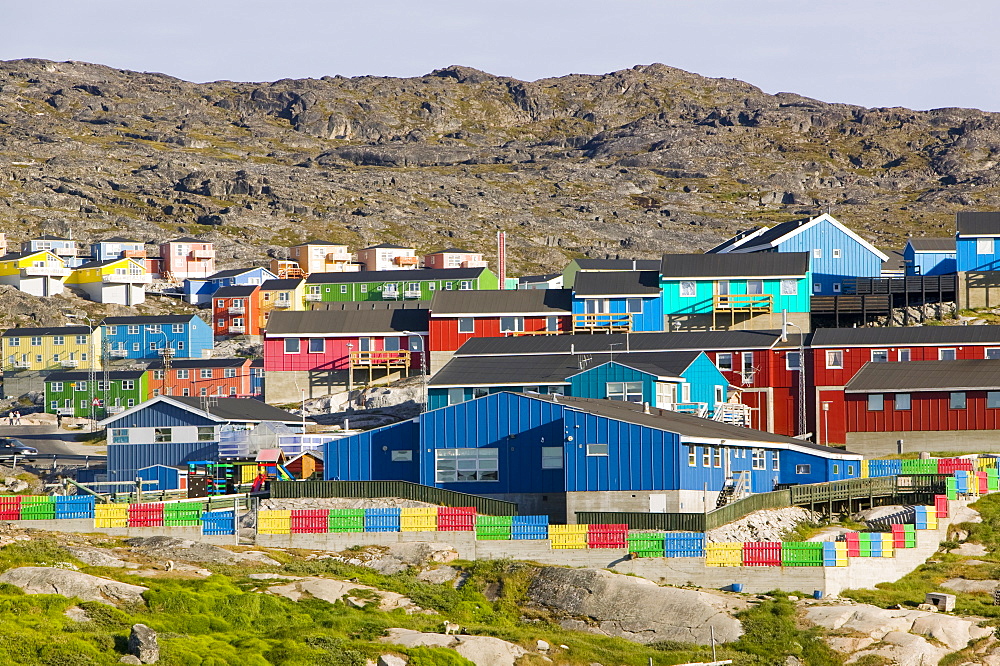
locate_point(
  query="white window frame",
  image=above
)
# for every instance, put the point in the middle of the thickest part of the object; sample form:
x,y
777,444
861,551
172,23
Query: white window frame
x,y
817,253
881,352
755,287
788,361
757,460
297,347
803,469
719,364
943,352
228,373
903,355
789,287
56,387
817,287
466,324
633,305
624,390
716,457
688,288
835,354
484,467
552,457
984,246
692,455
119,435
775,461
512,324
321,345
835,253
184,374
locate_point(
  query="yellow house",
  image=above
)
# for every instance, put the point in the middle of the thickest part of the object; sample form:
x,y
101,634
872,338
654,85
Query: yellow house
x,y
316,256
39,272
287,294
53,348
121,280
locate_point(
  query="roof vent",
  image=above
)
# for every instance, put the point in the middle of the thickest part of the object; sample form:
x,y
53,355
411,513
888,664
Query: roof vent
x,y
645,408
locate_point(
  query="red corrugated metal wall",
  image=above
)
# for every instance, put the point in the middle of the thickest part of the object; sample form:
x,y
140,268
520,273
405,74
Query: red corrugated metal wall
x,y
928,411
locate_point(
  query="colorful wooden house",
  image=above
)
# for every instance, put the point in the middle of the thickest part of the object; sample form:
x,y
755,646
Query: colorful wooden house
x,y
117,247
185,336
587,265
838,354
727,291
287,294
316,256
236,310
977,242
387,257
408,285
50,348
39,273
545,281
837,253
200,290
929,256
187,257
122,281
112,392
325,351
209,377
617,302
306,465
65,248
454,258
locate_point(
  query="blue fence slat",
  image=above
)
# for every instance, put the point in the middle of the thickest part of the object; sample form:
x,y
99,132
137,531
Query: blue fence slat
x,y
218,522
529,532
529,520
382,520
684,544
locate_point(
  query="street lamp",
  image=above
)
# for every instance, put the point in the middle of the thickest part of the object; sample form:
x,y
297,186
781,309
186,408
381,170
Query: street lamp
x,y
91,367
167,353
423,371
802,372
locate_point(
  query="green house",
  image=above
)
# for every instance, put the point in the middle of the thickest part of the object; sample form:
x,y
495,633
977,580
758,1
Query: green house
x,y
407,285
107,393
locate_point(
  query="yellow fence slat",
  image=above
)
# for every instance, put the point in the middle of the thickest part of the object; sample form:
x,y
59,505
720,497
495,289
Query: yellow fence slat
x,y
723,554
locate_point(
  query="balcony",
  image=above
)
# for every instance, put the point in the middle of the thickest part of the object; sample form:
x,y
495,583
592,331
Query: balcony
x,y
743,303
69,363
405,261
602,322
115,410
314,297
340,257
237,309
203,254
386,359
237,329
411,293
21,365
118,353
390,295
50,270
64,251
282,303
134,254
127,278
167,352
479,263
692,408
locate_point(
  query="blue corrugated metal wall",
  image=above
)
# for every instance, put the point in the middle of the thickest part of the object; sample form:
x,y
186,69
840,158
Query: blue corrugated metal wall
x,y
125,460
438,397
928,263
592,383
820,469
704,376
196,337
367,456
167,478
855,259
160,415
649,320
968,258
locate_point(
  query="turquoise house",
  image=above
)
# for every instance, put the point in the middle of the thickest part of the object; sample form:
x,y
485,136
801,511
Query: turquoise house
x,y
683,381
617,302
735,291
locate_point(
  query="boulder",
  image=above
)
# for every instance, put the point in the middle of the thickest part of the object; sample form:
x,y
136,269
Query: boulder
x,y
331,590
143,644
903,649
480,650
965,514
438,576
391,660
130,659
96,557
46,580
636,608
971,549
963,585
170,548
401,556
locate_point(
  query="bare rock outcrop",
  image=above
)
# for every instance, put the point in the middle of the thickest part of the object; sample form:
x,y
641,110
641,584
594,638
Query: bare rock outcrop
x,y
170,548
480,650
49,580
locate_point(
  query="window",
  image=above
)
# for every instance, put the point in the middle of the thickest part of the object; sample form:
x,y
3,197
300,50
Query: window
x,y
130,402
80,386
946,355
792,361
156,392
157,374
511,324
789,288
180,345
774,461
836,253
229,373
803,469
183,374
177,328
54,404
596,449
818,253
155,328
58,340
755,287
724,361
836,469
902,401
817,287
993,352
206,433
81,339
103,386
119,435
56,387
624,391
875,402
850,470
716,456
219,303
390,344
688,289
835,359
38,359
692,456
836,287
984,246
317,345
205,373
633,305
153,346
957,400
552,457
84,404
748,363
993,399
903,355
343,288
162,435
462,465
456,396
720,394
880,356
465,285
232,390
466,325
706,457
14,342
757,461
133,330
448,286
291,345
552,323
220,323
402,455
111,330
36,341
185,392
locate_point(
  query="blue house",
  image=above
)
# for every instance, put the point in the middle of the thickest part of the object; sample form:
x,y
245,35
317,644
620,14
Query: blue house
x,y
174,431
64,248
200,290
977,242
116,248
188,336
559,455
929,256
837,252
685,381
617,301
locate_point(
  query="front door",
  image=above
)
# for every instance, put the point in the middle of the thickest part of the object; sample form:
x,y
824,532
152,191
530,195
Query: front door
x,y
658,503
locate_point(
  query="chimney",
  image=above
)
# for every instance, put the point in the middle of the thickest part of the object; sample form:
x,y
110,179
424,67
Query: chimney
x,y
645,408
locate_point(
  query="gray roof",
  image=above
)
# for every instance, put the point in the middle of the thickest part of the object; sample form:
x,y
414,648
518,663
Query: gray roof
x,y
891,336
46,330
618,283
958,375
188,239
314,241
387,246
148,319
728,243
778,231
529,279
552,369
232,272
280,283
978,224
108,262
894,264
618,264
240,409
199,363
415,275
84,375
345,322
933,244
120,239
371,305
509,301
454,250
236,290
751,265
620,342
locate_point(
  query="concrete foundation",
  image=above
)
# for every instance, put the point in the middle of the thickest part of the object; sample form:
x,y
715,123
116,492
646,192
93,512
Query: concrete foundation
x,y
282,387
438,359
725,320
86,526
875,444
552,505
978,289
641,501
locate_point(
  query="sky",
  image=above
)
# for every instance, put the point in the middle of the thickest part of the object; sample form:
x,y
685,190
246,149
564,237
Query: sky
x,y
919,54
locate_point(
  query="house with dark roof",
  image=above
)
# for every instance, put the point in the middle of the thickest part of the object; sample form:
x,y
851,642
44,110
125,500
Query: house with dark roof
x,y
122,280
617,302
396,285
39,273
544,281
951,405
236,310
76,393
838,354
929,256
685,381
728,290
117,247
49,348
837,253
587,265
387,257
180,336
977,242
284,294
320,256
201,377
558,455
65,248
199,290
326,351
187,257
454,257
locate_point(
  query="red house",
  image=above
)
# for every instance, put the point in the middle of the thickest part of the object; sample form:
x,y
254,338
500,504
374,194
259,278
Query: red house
x,y
235,310
838,354
925,405
342,345
457,316
209,377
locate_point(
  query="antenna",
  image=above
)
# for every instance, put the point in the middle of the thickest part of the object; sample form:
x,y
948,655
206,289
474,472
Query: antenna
x,y
501,258
584,361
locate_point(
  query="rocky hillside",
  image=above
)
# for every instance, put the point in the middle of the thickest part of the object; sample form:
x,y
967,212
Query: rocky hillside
x,y
631,163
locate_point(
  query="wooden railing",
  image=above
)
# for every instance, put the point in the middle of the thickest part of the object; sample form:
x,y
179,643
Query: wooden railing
x,y
743,302
602,322
397,359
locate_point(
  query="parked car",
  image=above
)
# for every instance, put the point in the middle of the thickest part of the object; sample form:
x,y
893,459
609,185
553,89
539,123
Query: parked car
x,y
10,447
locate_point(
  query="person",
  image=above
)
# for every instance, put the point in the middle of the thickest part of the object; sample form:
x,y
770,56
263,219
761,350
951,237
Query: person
x,y
17,418
59,420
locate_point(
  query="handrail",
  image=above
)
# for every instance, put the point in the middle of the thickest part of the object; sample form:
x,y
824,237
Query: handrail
x,y
743,302
366,358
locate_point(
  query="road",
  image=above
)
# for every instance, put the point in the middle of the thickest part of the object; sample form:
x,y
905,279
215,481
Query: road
x,y
50,440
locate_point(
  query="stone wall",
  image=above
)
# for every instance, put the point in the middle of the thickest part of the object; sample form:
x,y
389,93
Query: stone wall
x,y
875,444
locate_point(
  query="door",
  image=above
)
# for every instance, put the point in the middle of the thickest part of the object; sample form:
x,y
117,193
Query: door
x,y
665,395
726,462
658,503
722,291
